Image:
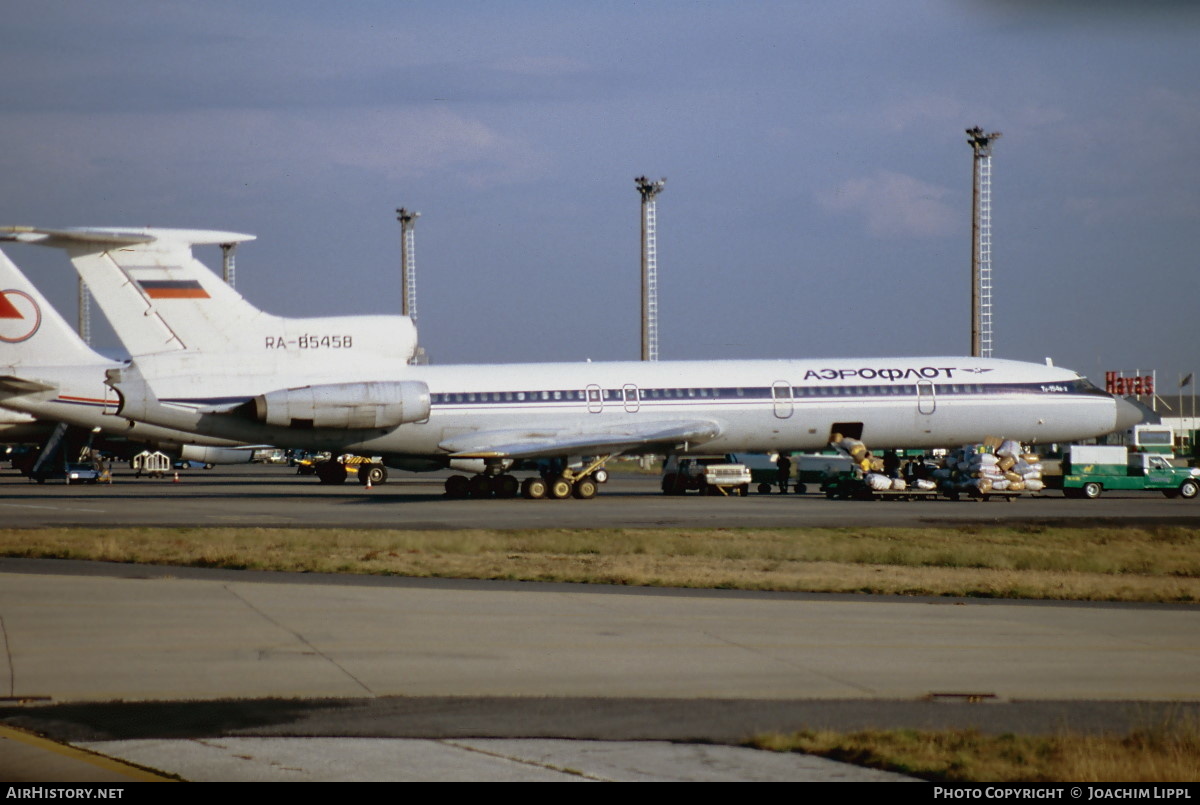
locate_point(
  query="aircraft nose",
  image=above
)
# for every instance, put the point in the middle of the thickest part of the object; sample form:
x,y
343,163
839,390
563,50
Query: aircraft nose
x,y
1128,414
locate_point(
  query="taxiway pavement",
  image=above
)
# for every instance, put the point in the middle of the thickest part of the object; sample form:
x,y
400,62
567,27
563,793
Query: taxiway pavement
x,y
164,667
257,495
241,675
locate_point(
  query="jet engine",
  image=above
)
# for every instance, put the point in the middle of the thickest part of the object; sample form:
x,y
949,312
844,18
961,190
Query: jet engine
x,y
476,464
352,406
215,455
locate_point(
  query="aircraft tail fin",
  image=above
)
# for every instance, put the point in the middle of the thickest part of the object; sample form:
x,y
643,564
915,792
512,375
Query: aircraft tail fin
x,y
161,299
32,333
158,297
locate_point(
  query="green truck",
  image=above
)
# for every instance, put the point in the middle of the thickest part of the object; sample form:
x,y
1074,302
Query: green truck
x,y
1089,470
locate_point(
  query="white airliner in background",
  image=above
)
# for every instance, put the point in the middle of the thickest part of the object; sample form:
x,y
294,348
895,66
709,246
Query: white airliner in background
x,y
486,417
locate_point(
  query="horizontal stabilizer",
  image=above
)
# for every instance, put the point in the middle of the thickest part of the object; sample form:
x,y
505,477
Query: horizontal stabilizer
x,y
110,236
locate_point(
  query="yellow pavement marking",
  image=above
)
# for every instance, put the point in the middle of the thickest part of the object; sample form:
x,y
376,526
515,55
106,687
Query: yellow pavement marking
x,y
134,773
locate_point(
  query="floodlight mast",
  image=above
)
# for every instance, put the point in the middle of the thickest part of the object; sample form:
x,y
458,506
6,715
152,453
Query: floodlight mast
x,y
408,274
981,242
648,190
85,313
408,267
228,263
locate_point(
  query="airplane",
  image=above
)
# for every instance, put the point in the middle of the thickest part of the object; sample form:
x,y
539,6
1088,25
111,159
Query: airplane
x,y
226,336
49,376
484,418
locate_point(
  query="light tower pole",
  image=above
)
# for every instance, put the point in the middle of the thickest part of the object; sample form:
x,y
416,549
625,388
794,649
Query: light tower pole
x,y
648,191
85,313
229,269
981,243
408,264
408,275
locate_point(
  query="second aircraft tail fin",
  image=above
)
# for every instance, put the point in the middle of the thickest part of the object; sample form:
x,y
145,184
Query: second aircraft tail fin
x,y
32,333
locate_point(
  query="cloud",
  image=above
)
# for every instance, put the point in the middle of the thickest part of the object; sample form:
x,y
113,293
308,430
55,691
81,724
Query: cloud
x,y
264,145
894,204
926,112
538,65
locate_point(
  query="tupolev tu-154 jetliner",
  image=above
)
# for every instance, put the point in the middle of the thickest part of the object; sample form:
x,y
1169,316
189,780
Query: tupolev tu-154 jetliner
x,y
487,417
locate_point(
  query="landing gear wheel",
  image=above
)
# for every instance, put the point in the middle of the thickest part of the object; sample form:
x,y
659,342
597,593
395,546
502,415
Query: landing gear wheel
x,y
506,486
1189,490
1091,490
533,488
331,472
585,489
457,486
559,488
480,486
600,476
375,473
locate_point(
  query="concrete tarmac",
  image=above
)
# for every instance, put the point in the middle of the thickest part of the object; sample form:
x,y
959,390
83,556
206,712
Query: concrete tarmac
x,y
189,658
240,675
258,495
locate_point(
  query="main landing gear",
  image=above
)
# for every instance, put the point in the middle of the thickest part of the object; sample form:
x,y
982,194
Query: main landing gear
x,y
482,486
335,472
582,484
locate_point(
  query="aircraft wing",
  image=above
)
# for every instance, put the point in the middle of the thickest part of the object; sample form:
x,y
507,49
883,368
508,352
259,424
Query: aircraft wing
x,y
533,443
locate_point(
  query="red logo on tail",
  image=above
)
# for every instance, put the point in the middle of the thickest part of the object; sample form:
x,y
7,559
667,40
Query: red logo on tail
x,y
20,316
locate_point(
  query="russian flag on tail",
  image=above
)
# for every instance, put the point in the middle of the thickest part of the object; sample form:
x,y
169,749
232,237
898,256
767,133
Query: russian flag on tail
x,y
173,289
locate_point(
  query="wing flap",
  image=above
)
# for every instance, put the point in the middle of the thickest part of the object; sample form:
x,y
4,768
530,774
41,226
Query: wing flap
x,y
535,443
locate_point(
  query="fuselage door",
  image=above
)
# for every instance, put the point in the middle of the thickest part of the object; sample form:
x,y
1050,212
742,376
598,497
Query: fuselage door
x,y
926,398
112,401
632,398
595,398
781,395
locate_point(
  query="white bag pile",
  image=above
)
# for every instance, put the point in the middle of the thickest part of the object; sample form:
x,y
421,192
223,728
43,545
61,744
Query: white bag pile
x,y
1009,469
878,482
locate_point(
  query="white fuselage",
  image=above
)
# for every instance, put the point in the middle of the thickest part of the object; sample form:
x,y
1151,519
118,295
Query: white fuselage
x,y
757,405
79,397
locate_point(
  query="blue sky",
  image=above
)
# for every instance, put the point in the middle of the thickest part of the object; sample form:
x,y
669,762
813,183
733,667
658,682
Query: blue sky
x,y
818,177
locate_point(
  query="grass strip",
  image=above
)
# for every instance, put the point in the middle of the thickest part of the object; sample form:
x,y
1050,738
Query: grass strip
x,y
1161,753
1146,563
